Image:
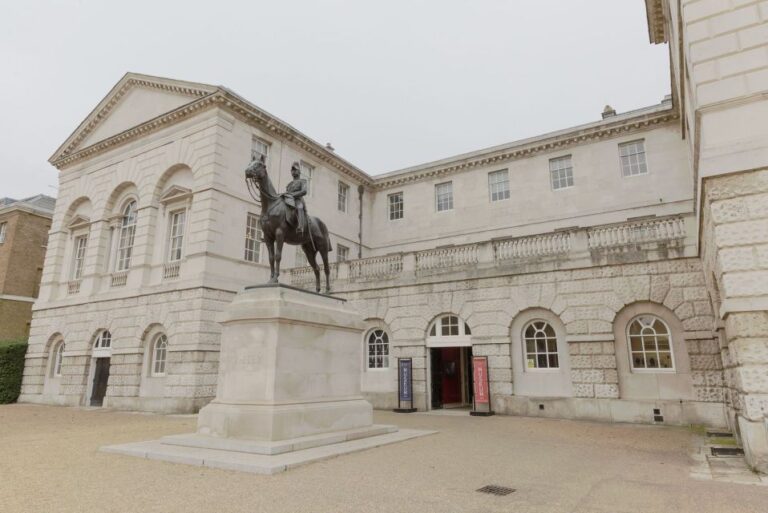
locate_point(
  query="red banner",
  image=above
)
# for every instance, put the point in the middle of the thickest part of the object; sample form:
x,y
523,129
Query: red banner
x,y
480,378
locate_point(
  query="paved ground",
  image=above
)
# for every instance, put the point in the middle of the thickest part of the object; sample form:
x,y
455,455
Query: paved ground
x,y
49,463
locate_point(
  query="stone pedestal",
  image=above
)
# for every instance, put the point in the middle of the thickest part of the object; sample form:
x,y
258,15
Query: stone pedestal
x,y
289,367
288,388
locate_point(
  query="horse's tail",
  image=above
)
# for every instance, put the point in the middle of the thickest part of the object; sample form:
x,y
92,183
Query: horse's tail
x,y
324,230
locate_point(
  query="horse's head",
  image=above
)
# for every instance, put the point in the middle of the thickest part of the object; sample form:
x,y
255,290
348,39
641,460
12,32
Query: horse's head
x,y
256,170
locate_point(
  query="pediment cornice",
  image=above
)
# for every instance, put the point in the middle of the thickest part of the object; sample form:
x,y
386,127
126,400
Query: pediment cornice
x,y
104,108
654,10
78,221
175,193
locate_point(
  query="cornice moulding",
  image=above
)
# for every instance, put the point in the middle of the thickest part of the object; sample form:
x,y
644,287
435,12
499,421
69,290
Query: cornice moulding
x,y
524,150
654,10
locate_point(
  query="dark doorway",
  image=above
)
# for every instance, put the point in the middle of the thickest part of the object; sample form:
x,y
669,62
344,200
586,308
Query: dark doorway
x,y
100,380
451,377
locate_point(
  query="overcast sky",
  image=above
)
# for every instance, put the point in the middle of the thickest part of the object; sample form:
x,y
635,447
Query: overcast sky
x,y
390,83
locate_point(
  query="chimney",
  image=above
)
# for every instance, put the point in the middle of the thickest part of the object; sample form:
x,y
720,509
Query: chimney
x,y
608,112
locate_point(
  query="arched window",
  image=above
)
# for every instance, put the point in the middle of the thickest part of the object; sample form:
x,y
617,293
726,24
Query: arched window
x,y
540,346
378,349
103,340
449,326
58,352
159,352
127,232
650,343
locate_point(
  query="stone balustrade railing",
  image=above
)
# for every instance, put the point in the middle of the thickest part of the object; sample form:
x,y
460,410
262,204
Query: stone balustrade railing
x,y
535,246
640,240
374,267
446,257
637,232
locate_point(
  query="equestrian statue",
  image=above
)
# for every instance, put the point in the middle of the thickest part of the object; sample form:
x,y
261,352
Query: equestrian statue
x,y
284,220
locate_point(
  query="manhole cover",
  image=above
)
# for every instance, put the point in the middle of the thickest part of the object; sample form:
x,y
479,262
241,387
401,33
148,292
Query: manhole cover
x,y
496,490
727,451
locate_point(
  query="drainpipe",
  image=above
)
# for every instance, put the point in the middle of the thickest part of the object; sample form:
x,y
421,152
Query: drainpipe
x,y
360,190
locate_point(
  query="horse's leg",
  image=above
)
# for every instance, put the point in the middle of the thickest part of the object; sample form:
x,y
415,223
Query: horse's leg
x,y
271,250
309,251
324,255
279,239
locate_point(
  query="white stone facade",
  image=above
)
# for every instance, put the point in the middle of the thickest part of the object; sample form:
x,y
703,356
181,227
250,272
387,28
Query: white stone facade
x,y
564,231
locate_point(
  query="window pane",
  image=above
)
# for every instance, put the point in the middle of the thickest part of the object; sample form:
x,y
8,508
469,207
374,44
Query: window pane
x,y
553,361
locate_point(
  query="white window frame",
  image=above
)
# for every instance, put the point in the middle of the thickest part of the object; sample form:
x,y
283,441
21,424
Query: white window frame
x,y
341,248
103,340
396,206
259,148
559,173
444,197
343,198
158,355
78,257
462,338
127,236
58,352
253,237
306,170
498,190
650,370
536,353
381,341
172,235
3,230
626,155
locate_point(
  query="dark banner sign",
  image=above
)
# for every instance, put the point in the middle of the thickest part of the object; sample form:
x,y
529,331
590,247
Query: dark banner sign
x,y
406,379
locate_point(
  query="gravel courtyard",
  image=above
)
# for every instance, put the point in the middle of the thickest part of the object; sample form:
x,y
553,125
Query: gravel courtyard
x,y
49,463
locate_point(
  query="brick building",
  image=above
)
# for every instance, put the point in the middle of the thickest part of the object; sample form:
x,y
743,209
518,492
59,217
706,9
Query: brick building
x,y
24,226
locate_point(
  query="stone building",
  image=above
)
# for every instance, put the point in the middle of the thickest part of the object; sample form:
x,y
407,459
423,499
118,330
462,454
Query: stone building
x,y
628,281
24,226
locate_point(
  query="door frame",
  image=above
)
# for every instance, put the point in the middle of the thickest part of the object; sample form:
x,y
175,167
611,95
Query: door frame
x,y
95,355
462,342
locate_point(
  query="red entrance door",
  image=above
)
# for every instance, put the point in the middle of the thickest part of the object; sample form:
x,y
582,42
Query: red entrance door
x,y
451,362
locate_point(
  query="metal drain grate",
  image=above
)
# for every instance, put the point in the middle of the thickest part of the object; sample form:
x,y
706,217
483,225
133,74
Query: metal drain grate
x,y
727,451
496,490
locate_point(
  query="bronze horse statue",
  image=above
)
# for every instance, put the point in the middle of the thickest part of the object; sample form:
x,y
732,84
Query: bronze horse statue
x,y
278,226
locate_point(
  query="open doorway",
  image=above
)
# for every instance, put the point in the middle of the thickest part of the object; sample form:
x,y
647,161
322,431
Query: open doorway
x,y
450,377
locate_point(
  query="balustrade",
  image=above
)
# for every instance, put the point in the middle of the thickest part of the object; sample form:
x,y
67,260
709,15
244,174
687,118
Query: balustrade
x,y
637,232
534,246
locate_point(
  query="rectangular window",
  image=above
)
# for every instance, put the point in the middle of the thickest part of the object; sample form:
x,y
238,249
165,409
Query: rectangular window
x,y
343,195
301,258
252,238
632,155
342,254
3,228
561,172
176,239
498,185
259,148
306,174
395,206
78,256
444,196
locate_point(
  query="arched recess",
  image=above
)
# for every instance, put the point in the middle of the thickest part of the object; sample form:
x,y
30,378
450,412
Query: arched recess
x,y
652,379
99,368
155,342
378,363
177,176
173,197
541,364
449,362
54,363
121,214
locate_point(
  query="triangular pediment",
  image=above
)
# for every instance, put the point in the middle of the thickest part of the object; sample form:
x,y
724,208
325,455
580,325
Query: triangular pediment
x,y
175,192
134,100
78,222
